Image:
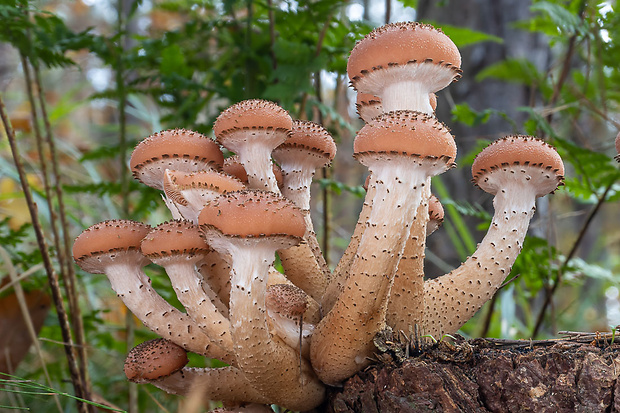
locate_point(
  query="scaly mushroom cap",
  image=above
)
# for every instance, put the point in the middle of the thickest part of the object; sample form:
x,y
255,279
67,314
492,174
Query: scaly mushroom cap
x,y
369,106
399,44
253,213
177,181
312,137
106,239
286,299
435,209
407,133
617,157
232,166
251,114
521,151
154,359
173,238
173,149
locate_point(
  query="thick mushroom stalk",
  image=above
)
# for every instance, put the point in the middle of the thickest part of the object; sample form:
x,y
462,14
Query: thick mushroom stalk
x,y
517,170
250,226
177,247
162,364
113,248
308,147
402,150
253,129
402,64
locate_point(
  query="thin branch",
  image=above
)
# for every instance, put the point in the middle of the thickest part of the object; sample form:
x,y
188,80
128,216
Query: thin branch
x,y
558,278
47,261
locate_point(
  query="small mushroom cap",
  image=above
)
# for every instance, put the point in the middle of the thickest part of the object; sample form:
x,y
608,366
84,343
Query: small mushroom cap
x,y
177,237
173,149
399,44
618,146
107,238
286,299
435,209
153,360
369,106
232,166
406,132
251,114
210,181
312,137
253,213
519,150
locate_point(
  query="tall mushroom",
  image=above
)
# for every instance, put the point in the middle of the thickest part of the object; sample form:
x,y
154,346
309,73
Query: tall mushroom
x,y
113,248
516,170
252,129
308,147
402,63
402,150
250,226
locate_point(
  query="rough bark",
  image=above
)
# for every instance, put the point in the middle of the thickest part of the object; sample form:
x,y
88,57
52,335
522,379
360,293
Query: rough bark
x,y
481,376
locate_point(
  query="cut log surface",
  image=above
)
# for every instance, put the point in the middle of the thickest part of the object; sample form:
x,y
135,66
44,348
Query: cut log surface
x,y
488,376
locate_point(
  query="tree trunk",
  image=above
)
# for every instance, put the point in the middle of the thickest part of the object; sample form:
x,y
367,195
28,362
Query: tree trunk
x,y
479,376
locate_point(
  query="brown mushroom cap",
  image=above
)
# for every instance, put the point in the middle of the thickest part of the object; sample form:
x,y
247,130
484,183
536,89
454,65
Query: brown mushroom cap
x,y
399,44
154,359
369,106
435,209
286,299
312,137
253,213
519,150
173,237
173,149
107,238
406,132
234,167
618,147
251,114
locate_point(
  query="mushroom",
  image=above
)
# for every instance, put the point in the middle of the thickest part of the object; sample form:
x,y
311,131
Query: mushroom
x,y
435,214
250,226
402,150
161,363
232,166
308,147
286,306
402,63
178,149
617,157
252,129
189,191
516,170
177,246
113,248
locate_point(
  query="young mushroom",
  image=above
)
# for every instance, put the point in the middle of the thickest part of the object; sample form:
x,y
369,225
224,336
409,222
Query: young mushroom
x,y
308,148
435,215
177,246
250,226
178,149
402,63
402,150
113,248
252,129
617,157
161,363
370,106
516,170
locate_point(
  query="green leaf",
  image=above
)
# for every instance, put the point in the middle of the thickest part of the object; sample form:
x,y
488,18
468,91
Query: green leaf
x,y
465,114
521,71
409,3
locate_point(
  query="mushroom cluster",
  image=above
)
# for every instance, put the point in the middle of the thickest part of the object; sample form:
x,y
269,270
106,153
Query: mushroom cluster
x,y
285,336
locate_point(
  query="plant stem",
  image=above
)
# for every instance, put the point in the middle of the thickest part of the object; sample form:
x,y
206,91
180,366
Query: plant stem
x,y
47,261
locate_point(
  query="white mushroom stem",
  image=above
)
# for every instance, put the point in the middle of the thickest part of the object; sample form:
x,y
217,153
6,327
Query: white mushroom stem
x,y
406,305
201,303
343,340
133,287
287,329
406,87
225,384
269,364
255,156
454,298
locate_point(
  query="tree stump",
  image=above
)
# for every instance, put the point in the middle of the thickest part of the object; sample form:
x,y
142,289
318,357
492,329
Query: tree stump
x,y
562,375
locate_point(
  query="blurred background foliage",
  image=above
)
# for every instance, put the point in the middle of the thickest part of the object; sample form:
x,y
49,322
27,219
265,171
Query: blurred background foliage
x,y
102,75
